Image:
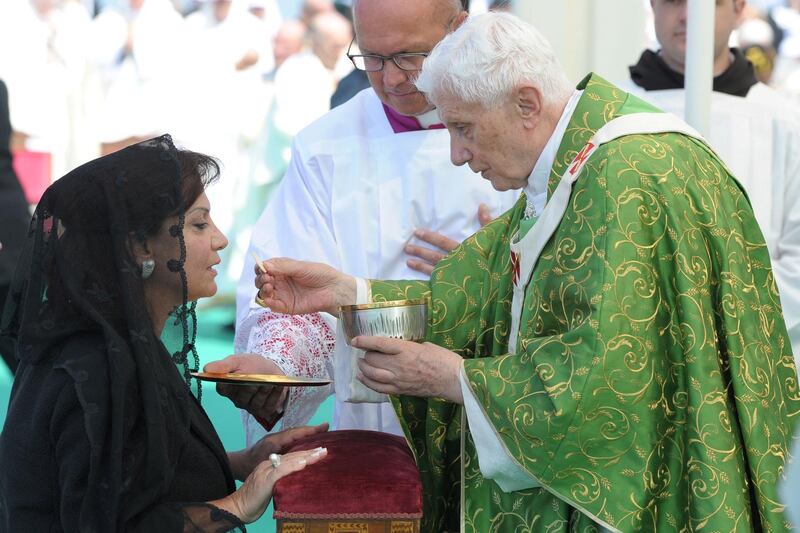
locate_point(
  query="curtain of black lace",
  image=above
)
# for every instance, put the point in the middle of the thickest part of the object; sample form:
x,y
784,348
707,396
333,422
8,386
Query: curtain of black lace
x,y
77,275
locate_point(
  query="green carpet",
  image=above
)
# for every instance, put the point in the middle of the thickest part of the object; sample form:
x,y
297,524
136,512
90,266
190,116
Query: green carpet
x,y
215,341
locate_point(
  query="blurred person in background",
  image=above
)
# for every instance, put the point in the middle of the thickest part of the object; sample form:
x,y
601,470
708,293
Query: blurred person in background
x,y
303,84
312,8
289,40
137,47
766,160
786,19
785,16
14,218
299,94
270,151
354,82
229,50
756,39
43,62
305,81
269,13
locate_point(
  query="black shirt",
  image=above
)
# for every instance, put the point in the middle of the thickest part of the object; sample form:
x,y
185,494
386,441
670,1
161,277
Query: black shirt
x,y
45,455
651,73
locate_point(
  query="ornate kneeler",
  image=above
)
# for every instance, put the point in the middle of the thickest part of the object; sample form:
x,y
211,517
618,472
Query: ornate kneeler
x,y
368,483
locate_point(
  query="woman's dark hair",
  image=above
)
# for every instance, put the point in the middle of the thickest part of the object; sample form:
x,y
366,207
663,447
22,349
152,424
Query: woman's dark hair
x,y
198,171
150,194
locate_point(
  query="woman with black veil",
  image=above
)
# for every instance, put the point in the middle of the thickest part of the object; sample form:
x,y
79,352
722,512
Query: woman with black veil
x,y
103,432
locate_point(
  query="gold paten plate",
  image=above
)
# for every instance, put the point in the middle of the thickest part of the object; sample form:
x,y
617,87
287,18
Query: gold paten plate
x,y
260,379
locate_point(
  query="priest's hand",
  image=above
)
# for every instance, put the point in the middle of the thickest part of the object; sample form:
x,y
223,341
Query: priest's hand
x,y
265,402
245,461
394,366
424,259
299,287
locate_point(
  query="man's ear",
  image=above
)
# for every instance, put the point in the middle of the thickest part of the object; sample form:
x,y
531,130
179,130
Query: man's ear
x,y
529,105
458,21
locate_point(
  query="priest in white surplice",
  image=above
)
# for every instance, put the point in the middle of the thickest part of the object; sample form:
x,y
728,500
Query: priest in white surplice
x,y
754,129
363,181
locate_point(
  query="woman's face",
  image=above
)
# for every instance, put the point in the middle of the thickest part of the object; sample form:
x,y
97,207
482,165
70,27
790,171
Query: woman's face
x,y
203,242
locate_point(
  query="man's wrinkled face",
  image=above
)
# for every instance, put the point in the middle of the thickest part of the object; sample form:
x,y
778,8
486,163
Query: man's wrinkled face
x,y
393,28
671,22
490,141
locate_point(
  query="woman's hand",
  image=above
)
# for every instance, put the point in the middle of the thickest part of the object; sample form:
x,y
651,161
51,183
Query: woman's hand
x,y
245,461
299,287
250,501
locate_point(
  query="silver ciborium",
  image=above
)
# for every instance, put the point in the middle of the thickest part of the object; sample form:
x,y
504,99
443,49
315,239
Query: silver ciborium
x,y
401,319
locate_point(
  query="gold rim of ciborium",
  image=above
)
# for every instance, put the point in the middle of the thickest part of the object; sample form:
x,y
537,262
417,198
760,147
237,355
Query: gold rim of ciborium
x,y
384,305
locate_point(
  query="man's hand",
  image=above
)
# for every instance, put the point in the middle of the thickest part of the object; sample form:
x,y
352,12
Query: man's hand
x,y
299,287
394,366
424,259
249,59
265,402
484,215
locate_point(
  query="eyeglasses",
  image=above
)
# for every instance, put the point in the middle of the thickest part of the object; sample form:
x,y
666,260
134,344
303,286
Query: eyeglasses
x,y
409,61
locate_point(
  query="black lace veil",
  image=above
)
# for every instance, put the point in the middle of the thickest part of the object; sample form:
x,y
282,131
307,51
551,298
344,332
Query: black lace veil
x,y
77,275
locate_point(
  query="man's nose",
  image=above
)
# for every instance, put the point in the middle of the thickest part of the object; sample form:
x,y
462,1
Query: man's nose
x,y
393,75
684,11
459,154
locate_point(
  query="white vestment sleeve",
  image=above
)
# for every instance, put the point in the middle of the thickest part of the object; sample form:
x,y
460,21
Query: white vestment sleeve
x,y
493,458
363,295
786,259
301,346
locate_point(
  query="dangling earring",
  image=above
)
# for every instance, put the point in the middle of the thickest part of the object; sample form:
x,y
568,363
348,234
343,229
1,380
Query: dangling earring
x,y
148,265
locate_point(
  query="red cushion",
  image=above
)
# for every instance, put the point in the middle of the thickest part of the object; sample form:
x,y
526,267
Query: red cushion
x,y
366,474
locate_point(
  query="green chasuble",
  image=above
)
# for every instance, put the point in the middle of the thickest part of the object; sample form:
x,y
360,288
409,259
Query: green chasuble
x,y
653,386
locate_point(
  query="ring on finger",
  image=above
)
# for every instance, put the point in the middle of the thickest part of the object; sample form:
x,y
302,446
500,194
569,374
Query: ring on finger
x,y
275,459
261,302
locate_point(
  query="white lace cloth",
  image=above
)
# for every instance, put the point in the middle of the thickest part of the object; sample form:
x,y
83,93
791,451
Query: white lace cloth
x,y
301,346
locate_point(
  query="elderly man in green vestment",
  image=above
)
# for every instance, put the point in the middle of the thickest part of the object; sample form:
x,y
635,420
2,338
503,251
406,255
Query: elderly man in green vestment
x,y
609,354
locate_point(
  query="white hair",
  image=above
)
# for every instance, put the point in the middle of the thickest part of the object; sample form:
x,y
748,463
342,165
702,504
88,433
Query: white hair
x,y
489,56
